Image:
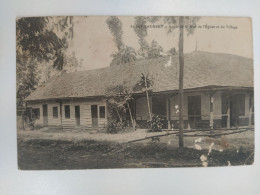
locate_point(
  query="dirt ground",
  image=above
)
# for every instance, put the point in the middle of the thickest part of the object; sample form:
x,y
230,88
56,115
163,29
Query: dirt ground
x,y
51,149
220,143
37,154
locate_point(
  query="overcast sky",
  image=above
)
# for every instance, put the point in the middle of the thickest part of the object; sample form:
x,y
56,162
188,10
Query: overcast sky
x,y
94,44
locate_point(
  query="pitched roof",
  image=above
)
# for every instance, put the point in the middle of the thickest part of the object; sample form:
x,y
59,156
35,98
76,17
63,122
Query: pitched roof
x,y
201,69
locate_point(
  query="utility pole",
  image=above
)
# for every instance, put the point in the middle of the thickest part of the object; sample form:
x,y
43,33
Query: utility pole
x,y
147,96
181,62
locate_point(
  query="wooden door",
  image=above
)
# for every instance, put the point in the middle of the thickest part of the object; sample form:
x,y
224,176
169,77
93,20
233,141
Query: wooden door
x,y
225,104
77,115
194,110
237,108
45,114
94,115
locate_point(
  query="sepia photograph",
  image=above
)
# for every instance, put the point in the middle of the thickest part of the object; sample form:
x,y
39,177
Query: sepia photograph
x,y
105,92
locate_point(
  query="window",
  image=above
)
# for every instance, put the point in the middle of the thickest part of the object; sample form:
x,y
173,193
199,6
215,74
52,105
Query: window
x,y
67,111
36,113
102,112
55,112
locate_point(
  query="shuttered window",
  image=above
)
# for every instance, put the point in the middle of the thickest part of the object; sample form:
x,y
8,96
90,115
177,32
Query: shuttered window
x,y
67,111
55,112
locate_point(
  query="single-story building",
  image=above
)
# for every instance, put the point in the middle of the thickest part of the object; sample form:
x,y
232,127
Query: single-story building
x,y
218,93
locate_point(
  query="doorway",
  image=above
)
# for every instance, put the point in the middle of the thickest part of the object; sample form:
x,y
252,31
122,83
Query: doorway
x,y
159,108
77,115
225,102
194,110
45,114
237,108
94,115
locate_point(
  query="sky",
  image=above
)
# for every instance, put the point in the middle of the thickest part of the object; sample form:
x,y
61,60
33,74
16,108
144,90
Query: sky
x,y
94,43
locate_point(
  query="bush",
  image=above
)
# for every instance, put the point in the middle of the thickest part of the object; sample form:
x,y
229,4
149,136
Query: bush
x,y
115,126
37,124
156,123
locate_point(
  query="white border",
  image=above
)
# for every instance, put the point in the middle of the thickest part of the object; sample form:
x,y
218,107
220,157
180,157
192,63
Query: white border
x,y
223,180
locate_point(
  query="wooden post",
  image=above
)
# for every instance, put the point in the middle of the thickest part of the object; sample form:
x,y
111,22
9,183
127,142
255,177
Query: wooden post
x,y
30,120
211,111
25,115
250,117
130,112
181,62
135,113
169,112
61,115
211,116
250,110
147,96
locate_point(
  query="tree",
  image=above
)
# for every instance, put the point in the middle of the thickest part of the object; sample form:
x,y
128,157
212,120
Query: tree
x,y
145,83
172,51
124,56
70,64
43,38
155,50
41,44
27,80
141,34
115,27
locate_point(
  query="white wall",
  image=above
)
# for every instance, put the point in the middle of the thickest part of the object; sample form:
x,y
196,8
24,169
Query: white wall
x,y
85,112
53,121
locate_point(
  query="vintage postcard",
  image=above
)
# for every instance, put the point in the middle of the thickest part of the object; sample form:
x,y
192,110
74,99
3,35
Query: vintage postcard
x,y
134,92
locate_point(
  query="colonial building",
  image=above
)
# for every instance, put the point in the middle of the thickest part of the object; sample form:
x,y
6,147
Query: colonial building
x,y
218,93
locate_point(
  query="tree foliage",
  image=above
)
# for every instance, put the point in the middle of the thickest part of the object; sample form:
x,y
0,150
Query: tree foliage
x,y
155,50
43,38
125,55
172,51
119,100
145,82
115,26
141,32
41,44
27,80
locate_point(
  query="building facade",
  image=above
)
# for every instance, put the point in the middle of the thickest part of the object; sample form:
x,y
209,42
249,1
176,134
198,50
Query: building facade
x,y
218,93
